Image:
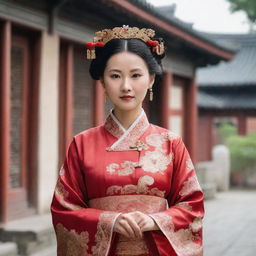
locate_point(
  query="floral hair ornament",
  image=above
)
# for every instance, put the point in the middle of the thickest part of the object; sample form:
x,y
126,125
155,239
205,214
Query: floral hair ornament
x,y
124,32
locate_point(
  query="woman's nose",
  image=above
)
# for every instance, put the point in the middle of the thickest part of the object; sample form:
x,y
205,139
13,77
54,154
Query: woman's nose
x,y
126,86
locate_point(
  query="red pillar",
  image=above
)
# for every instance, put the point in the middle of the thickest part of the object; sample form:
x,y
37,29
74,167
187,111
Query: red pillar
x,y
99,115
192,119
4,116
66,93
166,86
242,129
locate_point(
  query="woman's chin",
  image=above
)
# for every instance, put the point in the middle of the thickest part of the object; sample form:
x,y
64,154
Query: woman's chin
x,y
127,107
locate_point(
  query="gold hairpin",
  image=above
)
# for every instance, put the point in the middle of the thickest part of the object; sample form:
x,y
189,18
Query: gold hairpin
x,y
124,32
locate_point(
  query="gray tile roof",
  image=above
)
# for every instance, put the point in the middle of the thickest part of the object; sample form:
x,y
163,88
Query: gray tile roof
x,y
186,27
227,100
240,71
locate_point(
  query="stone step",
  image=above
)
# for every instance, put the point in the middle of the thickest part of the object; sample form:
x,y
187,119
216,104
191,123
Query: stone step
x,y
32,234
8,249
50,251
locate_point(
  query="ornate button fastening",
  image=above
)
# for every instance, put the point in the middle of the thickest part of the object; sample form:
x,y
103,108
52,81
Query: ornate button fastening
x,y
139,146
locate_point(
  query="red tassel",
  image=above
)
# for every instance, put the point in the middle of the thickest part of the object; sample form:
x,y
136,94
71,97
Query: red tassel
x,y
90,45
99,44
152,43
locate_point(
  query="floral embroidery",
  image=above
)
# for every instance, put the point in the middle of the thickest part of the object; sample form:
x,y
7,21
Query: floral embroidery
x,y
155,161
104,233
140,188
196,225
156,140
71,243
189,165
183,241
112,168
62,171
112,127
62,194
172,136
184,205
129,203
124,169
190,186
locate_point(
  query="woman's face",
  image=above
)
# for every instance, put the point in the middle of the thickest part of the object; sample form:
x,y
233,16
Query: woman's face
x,y
126,80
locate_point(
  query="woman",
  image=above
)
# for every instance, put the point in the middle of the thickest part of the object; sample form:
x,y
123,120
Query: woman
x,y
127,187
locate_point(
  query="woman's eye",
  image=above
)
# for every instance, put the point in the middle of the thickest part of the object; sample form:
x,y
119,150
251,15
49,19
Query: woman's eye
x,y
136,75
114,76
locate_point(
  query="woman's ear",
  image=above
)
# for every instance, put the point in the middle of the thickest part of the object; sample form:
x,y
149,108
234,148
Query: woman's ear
x,y
151,80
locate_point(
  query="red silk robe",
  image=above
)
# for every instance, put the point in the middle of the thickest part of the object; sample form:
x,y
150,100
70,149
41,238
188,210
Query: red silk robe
x,y
109,170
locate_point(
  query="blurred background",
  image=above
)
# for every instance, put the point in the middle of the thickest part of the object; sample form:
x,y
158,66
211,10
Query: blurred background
x,y
207,95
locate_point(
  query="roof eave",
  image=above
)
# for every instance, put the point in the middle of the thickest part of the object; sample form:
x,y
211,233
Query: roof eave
x,y
174,30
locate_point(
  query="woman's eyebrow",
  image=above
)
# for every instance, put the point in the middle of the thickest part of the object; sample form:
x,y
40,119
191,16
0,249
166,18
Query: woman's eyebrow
x,y
114,70
136,69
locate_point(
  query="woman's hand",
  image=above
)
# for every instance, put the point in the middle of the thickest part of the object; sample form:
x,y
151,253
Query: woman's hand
x,y
145,222
126,225
133,224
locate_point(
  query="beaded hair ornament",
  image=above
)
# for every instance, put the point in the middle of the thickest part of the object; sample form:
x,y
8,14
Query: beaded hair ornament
x,y
124,32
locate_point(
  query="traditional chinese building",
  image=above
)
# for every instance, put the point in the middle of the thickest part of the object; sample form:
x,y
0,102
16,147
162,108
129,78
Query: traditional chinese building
x,y
227,92
47,96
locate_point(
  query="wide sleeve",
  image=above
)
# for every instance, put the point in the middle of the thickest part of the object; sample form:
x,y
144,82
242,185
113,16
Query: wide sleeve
x,y
80,230
181,223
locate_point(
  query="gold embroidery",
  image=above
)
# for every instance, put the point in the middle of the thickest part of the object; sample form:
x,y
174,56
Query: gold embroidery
x,y
156,140
112,127
132,136
183,241
133,247
61,194
196,225
112,168
190,186
104,233
171,136
62,171
184,205
71,243
140,188
189,165
130,203
124,169
155,161
139,146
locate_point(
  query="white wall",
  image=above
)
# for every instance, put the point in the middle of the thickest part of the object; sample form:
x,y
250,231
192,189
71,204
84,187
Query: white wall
x,y
48,120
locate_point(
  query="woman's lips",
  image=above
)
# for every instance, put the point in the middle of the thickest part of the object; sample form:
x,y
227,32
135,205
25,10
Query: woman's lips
x,y
128,97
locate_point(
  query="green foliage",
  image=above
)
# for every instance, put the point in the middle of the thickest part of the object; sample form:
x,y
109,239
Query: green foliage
x,y
249,6
242,152
226,130
242,148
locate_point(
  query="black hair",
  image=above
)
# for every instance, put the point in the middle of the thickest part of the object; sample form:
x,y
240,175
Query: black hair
x,y
114,46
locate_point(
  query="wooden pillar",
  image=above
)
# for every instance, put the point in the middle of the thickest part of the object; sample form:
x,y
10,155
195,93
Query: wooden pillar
x,y
242,129
4,116
204,138
98,103
66,98
166,85
191,119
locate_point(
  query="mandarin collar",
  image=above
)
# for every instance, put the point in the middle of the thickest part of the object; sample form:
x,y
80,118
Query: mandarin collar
x,y
129,137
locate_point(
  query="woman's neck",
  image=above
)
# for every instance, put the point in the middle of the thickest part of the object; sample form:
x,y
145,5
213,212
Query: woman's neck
x,y
126,118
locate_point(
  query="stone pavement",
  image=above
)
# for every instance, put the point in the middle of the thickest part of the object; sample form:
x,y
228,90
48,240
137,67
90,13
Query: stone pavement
x,y
230,224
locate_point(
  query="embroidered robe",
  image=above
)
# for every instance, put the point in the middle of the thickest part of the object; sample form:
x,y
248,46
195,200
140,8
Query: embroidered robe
x,y
109,170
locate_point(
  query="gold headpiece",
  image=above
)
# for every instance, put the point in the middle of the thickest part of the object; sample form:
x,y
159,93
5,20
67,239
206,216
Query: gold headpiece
x,y
124,32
